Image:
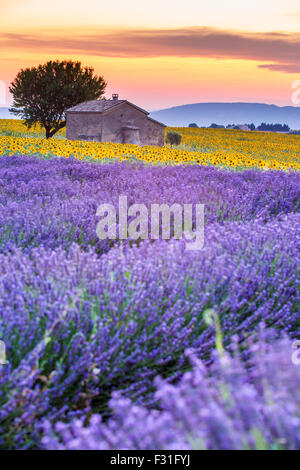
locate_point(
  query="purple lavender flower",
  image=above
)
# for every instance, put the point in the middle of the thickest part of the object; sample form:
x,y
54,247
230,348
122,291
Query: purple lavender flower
x,y
82,318
229,405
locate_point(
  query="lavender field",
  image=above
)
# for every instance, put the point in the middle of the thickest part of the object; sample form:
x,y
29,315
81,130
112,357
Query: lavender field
x,y
143,344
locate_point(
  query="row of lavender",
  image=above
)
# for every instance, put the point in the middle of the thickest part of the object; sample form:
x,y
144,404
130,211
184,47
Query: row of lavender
x,y
54,202
232,405
79,326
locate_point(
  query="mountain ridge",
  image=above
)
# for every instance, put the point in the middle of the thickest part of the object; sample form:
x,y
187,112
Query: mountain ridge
x,y
225,113
5,114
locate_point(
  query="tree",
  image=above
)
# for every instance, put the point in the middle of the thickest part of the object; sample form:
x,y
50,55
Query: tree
x,y
294,132
42,94
173,138
273,127
216,126
193,124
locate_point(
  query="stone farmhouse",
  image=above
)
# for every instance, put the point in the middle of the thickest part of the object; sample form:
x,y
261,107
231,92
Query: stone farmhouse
x,y
113,120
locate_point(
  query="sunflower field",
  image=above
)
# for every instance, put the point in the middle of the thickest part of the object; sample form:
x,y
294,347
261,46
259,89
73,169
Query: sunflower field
x,y
217,147
134,343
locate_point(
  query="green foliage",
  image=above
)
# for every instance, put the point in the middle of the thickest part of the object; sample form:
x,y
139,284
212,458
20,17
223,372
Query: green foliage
x,y
42,94
216,126
193,124
173,138
211,317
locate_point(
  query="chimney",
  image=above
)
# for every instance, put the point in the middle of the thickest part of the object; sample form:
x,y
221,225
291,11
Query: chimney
x,y
115,96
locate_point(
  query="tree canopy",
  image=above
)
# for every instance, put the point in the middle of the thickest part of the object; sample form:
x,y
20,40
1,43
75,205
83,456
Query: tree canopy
x,y
42,94
273,127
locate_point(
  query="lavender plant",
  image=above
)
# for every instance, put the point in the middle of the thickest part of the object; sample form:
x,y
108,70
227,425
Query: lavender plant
x,y
54,202
83,318
232,404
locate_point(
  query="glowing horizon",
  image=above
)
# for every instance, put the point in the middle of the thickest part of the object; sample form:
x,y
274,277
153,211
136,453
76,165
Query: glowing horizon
x,y
162,54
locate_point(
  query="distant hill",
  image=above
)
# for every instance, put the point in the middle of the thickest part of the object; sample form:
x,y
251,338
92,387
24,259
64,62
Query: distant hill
x,y
5,114
205,114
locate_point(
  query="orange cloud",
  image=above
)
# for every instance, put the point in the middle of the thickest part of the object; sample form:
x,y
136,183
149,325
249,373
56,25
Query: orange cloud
x,y
280,50
286,68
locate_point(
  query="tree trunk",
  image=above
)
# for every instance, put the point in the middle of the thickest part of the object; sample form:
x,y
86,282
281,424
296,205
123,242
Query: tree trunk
x,y
47,132
50,133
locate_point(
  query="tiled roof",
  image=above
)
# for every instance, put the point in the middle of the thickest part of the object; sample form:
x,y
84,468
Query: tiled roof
x,y
95,105
157,122
100,106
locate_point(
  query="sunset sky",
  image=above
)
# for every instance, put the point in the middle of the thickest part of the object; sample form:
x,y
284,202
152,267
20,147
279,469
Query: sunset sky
x,y
162,53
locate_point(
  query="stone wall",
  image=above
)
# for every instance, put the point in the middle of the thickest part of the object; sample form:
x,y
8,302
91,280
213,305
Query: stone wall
x,y
84,124
155,134
116,119
150,133
112,126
